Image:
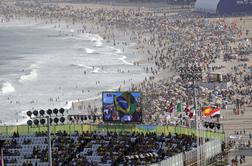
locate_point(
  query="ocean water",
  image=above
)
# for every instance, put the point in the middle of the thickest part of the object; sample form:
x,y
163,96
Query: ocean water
x,y
41,68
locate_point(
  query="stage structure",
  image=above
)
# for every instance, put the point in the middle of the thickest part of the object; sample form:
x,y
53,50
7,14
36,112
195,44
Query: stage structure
x,y
224,7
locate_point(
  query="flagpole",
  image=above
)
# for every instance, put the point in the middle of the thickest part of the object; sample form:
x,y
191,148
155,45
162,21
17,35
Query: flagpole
x,y
49,141
193,73
196,123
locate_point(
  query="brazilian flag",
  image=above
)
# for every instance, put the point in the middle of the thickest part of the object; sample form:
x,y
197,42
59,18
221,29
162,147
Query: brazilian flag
x,y
125,103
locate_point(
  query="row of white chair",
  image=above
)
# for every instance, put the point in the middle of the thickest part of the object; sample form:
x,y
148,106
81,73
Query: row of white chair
x,y
94,159
13,157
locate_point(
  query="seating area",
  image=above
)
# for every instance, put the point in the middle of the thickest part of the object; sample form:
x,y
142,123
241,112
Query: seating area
x,y
103,149
25,150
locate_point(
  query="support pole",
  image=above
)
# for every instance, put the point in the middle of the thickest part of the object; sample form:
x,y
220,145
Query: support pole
x,y
197,124
49,141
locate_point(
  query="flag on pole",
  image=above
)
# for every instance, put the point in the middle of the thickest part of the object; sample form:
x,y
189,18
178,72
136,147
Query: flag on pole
x,y
216,113
170,108
188,111
179,107
211,112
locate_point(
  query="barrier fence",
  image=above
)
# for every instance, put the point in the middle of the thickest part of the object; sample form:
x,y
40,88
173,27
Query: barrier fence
x,y
208,151
70,128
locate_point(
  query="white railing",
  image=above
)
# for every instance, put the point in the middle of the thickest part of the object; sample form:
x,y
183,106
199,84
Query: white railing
x,y
209,150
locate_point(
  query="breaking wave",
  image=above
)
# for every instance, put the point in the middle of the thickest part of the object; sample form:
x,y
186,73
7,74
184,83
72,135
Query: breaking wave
x,y
89,51
29,77
7,88
96,70
116,50
123,59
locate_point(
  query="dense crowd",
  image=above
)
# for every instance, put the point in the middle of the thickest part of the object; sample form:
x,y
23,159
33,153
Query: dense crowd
x,y
97,148
169,42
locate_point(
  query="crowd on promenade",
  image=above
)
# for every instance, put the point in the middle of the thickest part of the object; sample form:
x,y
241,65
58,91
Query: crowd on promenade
x,y
169,42
97,148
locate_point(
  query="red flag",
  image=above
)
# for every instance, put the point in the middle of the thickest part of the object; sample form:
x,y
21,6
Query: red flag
x,y
209,111
170,108
187,109
190,114
216,112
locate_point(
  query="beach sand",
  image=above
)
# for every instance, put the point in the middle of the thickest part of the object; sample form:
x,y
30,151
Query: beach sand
x,y
236,123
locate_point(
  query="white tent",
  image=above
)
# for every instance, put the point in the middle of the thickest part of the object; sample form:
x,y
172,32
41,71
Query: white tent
x,y
209,6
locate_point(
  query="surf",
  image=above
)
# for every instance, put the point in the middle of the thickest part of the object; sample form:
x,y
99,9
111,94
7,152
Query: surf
x,y
29,77
90,51
7,88
123,59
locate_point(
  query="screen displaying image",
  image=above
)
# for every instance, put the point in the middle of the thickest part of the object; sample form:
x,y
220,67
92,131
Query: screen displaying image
x,y
121,107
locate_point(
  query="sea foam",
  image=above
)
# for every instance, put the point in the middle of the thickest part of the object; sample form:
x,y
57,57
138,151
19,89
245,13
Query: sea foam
x,y
98,40
96,70
94,38
7,88
29,77
116,50
98,44
89,50
123,59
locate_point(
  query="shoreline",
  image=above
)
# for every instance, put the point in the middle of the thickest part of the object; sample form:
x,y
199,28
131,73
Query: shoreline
x,y
89,29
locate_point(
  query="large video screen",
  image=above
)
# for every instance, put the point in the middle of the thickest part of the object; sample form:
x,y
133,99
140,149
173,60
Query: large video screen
x,y
121,107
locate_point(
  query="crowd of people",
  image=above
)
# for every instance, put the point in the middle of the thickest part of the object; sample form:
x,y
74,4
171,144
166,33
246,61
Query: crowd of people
x,y
107,148
168,42
238,160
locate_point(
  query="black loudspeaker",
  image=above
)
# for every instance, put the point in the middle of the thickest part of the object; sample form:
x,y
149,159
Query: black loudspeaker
x,y
62,110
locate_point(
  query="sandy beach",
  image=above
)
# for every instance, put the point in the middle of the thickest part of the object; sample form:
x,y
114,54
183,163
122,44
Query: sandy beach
x,y
146,49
